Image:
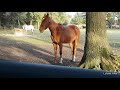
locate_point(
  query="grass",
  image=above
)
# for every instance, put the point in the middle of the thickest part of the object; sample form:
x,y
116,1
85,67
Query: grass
x,y
37,38
44,38
114,38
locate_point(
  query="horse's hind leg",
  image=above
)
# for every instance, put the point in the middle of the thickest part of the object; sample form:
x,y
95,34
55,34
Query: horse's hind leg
x,y
75,44
55,52
71,46
60,48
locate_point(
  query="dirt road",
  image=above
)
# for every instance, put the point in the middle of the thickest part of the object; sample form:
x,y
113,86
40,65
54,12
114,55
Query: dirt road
x,y
44,54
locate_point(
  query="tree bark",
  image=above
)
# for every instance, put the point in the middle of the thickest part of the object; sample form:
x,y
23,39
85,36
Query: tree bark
x,y
97,52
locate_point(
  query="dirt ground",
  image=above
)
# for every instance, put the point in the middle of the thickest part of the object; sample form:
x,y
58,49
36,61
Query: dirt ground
x,y
42,54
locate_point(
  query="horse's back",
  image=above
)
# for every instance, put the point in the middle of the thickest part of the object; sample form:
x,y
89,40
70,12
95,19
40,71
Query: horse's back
x,y
73,29
69,33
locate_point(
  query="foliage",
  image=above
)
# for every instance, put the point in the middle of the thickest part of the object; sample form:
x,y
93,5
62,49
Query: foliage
x,y
59,17
110,17
15,19
79,18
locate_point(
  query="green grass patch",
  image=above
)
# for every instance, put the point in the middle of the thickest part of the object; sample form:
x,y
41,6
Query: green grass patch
x,y
44,38
6,31
114,37
37,38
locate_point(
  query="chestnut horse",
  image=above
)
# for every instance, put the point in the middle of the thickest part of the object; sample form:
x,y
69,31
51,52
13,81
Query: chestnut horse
x,y
61,34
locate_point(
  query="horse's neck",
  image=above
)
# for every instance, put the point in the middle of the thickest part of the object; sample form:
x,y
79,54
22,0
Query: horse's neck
x,y
52,27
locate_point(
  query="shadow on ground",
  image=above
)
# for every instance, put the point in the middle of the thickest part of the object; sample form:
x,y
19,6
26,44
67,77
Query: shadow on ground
x,y
33,53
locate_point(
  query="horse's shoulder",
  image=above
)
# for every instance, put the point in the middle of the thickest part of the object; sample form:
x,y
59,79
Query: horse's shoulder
x,y
59,27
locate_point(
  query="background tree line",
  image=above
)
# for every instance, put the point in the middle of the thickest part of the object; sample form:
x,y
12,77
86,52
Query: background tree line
x,y
112,19
17,19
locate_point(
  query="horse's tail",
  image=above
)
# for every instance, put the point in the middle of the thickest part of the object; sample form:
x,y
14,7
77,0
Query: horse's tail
x,y
76,41
78,34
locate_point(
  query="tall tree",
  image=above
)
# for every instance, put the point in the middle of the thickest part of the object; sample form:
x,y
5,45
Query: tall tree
x,y
97,52
29,18
83,15
37,18
109,19
59,17
1,17
67,19
77,19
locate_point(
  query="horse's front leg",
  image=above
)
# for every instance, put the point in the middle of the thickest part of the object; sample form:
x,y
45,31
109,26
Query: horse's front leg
x,y
60,48
55,52
32,32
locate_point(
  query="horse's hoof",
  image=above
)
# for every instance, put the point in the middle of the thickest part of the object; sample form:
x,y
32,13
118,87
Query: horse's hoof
x,y
55,62
72,61
61,62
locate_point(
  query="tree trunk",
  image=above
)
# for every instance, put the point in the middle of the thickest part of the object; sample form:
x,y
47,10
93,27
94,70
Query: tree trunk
x,y
30,22
97,52
0,23
18,22
119,23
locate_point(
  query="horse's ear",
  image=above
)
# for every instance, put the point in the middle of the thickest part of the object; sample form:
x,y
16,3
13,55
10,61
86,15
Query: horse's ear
x,y
47,15
51,14
44,14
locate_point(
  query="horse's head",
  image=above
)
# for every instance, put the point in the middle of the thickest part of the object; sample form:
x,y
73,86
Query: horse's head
x,y
45,23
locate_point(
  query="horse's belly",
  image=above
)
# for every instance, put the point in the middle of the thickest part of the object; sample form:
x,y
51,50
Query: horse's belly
x,y
68,39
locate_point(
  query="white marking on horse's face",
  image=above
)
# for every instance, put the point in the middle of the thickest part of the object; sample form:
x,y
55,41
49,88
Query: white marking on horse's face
x,y
61,59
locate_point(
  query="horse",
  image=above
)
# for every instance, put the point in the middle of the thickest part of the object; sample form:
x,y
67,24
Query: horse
x,y
61,34
28,27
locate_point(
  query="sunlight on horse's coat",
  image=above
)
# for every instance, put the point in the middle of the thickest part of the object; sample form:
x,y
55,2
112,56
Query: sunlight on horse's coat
x,y
61,34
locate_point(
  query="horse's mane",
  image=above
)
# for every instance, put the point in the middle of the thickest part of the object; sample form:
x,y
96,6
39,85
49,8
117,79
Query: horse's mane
x,y
60,24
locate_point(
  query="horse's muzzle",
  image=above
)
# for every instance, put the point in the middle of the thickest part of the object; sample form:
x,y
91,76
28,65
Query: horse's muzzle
x,y
41,31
